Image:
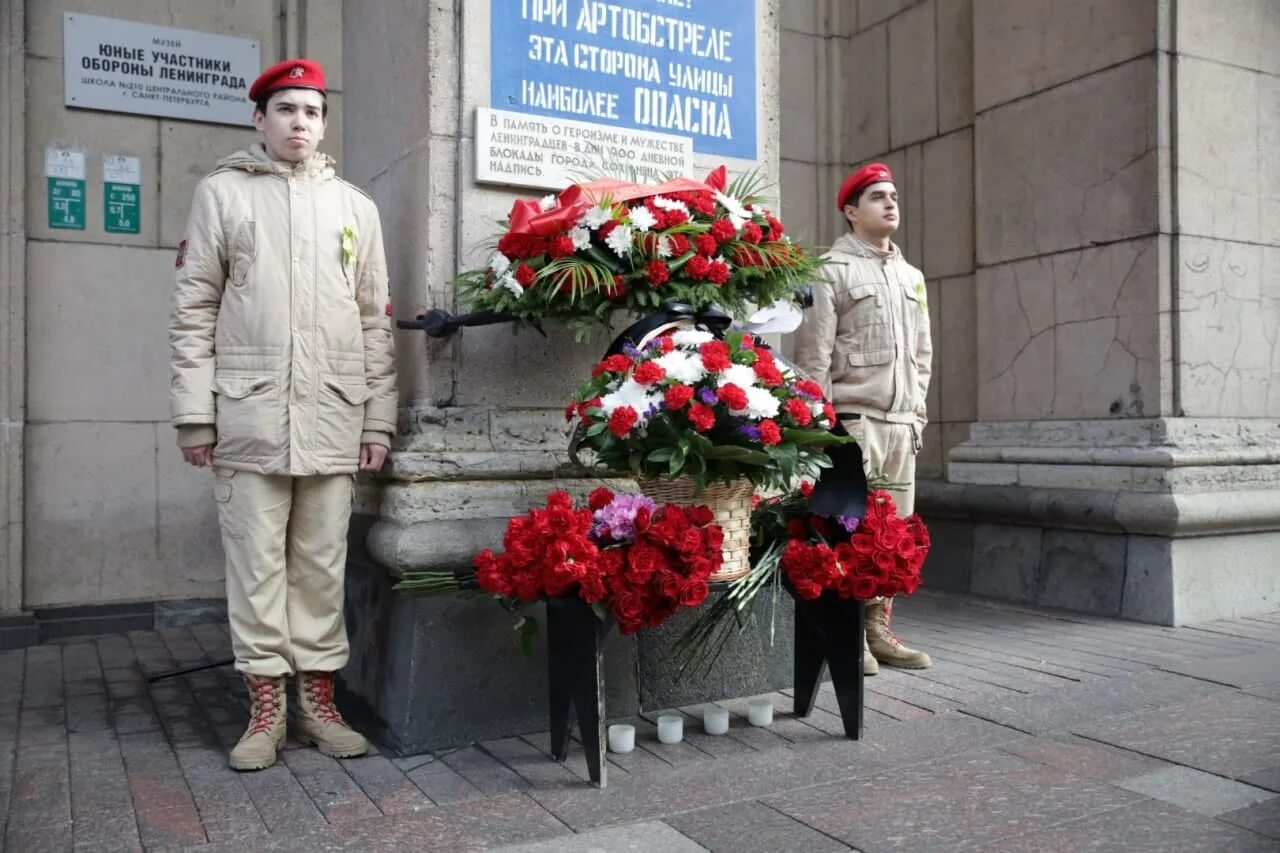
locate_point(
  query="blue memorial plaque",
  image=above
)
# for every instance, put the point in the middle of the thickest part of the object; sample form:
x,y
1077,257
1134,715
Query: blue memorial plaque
x,y
683,67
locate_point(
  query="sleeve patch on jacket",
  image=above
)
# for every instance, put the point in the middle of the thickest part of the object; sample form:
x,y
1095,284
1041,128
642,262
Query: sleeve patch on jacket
x,y
181,261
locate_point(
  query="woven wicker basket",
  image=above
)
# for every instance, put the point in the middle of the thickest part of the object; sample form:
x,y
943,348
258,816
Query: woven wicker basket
x,y
731,503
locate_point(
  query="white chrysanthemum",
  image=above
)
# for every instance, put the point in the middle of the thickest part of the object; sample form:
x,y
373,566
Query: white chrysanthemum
x,y
642,218
815,408
581,237
739,374
499,263
631,393
664,203
595,217
547,202
666,247
508,282
738,215
682,366
619,240
691,337
761,403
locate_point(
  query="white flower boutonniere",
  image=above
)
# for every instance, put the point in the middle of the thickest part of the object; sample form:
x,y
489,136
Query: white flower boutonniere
x,y
348,244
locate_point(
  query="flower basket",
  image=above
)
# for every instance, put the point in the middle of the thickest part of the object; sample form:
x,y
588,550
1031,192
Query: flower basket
x,y
731,505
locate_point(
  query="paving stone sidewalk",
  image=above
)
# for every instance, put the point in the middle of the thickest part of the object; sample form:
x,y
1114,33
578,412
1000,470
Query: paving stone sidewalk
x,y
1035,730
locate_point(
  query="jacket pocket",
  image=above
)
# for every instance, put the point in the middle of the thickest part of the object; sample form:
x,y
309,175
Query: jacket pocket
x,y
341,416
246,416
244,249
869,333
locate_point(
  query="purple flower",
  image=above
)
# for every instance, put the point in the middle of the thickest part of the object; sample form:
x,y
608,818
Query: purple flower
x,y
751,431
631,351
848,522
617,521
708,396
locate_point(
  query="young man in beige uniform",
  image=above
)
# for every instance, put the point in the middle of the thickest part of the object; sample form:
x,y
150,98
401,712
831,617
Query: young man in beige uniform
x,y
283,382
866,340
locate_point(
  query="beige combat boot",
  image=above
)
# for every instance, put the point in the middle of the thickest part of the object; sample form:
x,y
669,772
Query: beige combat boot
x,y
870,666
887,648
320,723
263,739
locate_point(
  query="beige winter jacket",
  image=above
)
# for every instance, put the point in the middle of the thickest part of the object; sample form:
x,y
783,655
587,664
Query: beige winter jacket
x,y
280,330
866,338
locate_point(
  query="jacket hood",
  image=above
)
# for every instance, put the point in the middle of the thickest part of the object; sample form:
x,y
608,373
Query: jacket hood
x,y
255,159
851,244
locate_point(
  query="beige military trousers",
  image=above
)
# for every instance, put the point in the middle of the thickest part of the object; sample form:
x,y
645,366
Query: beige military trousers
x,y
285,540
889,453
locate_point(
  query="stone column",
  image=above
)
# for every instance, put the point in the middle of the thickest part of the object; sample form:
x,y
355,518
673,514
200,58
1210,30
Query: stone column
x,y
13,247
482,431
1127,455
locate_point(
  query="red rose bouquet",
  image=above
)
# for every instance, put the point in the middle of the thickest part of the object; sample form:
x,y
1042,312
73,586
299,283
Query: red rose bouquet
x,y
608,245
626,555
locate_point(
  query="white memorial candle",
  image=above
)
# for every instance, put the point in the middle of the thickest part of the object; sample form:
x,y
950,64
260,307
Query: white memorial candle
x,y
760,712
670,728
622,738
715,721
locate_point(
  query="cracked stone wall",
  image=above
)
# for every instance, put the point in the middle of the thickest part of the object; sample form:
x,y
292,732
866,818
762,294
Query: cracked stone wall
x,y
1227,214
1128,208
1072,319
892,80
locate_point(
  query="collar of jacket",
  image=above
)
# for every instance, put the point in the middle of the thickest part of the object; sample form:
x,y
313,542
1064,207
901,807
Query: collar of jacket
x,y
851,244
255,159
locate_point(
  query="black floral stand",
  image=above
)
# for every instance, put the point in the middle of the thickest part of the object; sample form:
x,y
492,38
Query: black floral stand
x,y
575,637
828,630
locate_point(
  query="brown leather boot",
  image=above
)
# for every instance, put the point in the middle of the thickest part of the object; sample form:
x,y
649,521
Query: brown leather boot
x,y
887,648
320,723
870,666
264,738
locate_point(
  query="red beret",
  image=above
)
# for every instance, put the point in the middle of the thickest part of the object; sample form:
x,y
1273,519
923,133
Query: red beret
x,y
290,74
872,173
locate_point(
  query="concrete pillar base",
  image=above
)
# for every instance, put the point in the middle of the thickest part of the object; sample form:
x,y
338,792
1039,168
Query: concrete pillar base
x,y
1165,520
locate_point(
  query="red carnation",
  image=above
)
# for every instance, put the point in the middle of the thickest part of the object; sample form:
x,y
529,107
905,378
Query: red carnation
x,y
719,273
799,411
658,272
676,217
768,372
702,417
666,344
733,396
706,244
617,363
698,267
679,244
770,434
622,420
615,290
775,226
678,396
701,515
809,388
723,230
806,488
649,372
751,233
525,275
703,203
715,356
829,412
599,498
561,246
